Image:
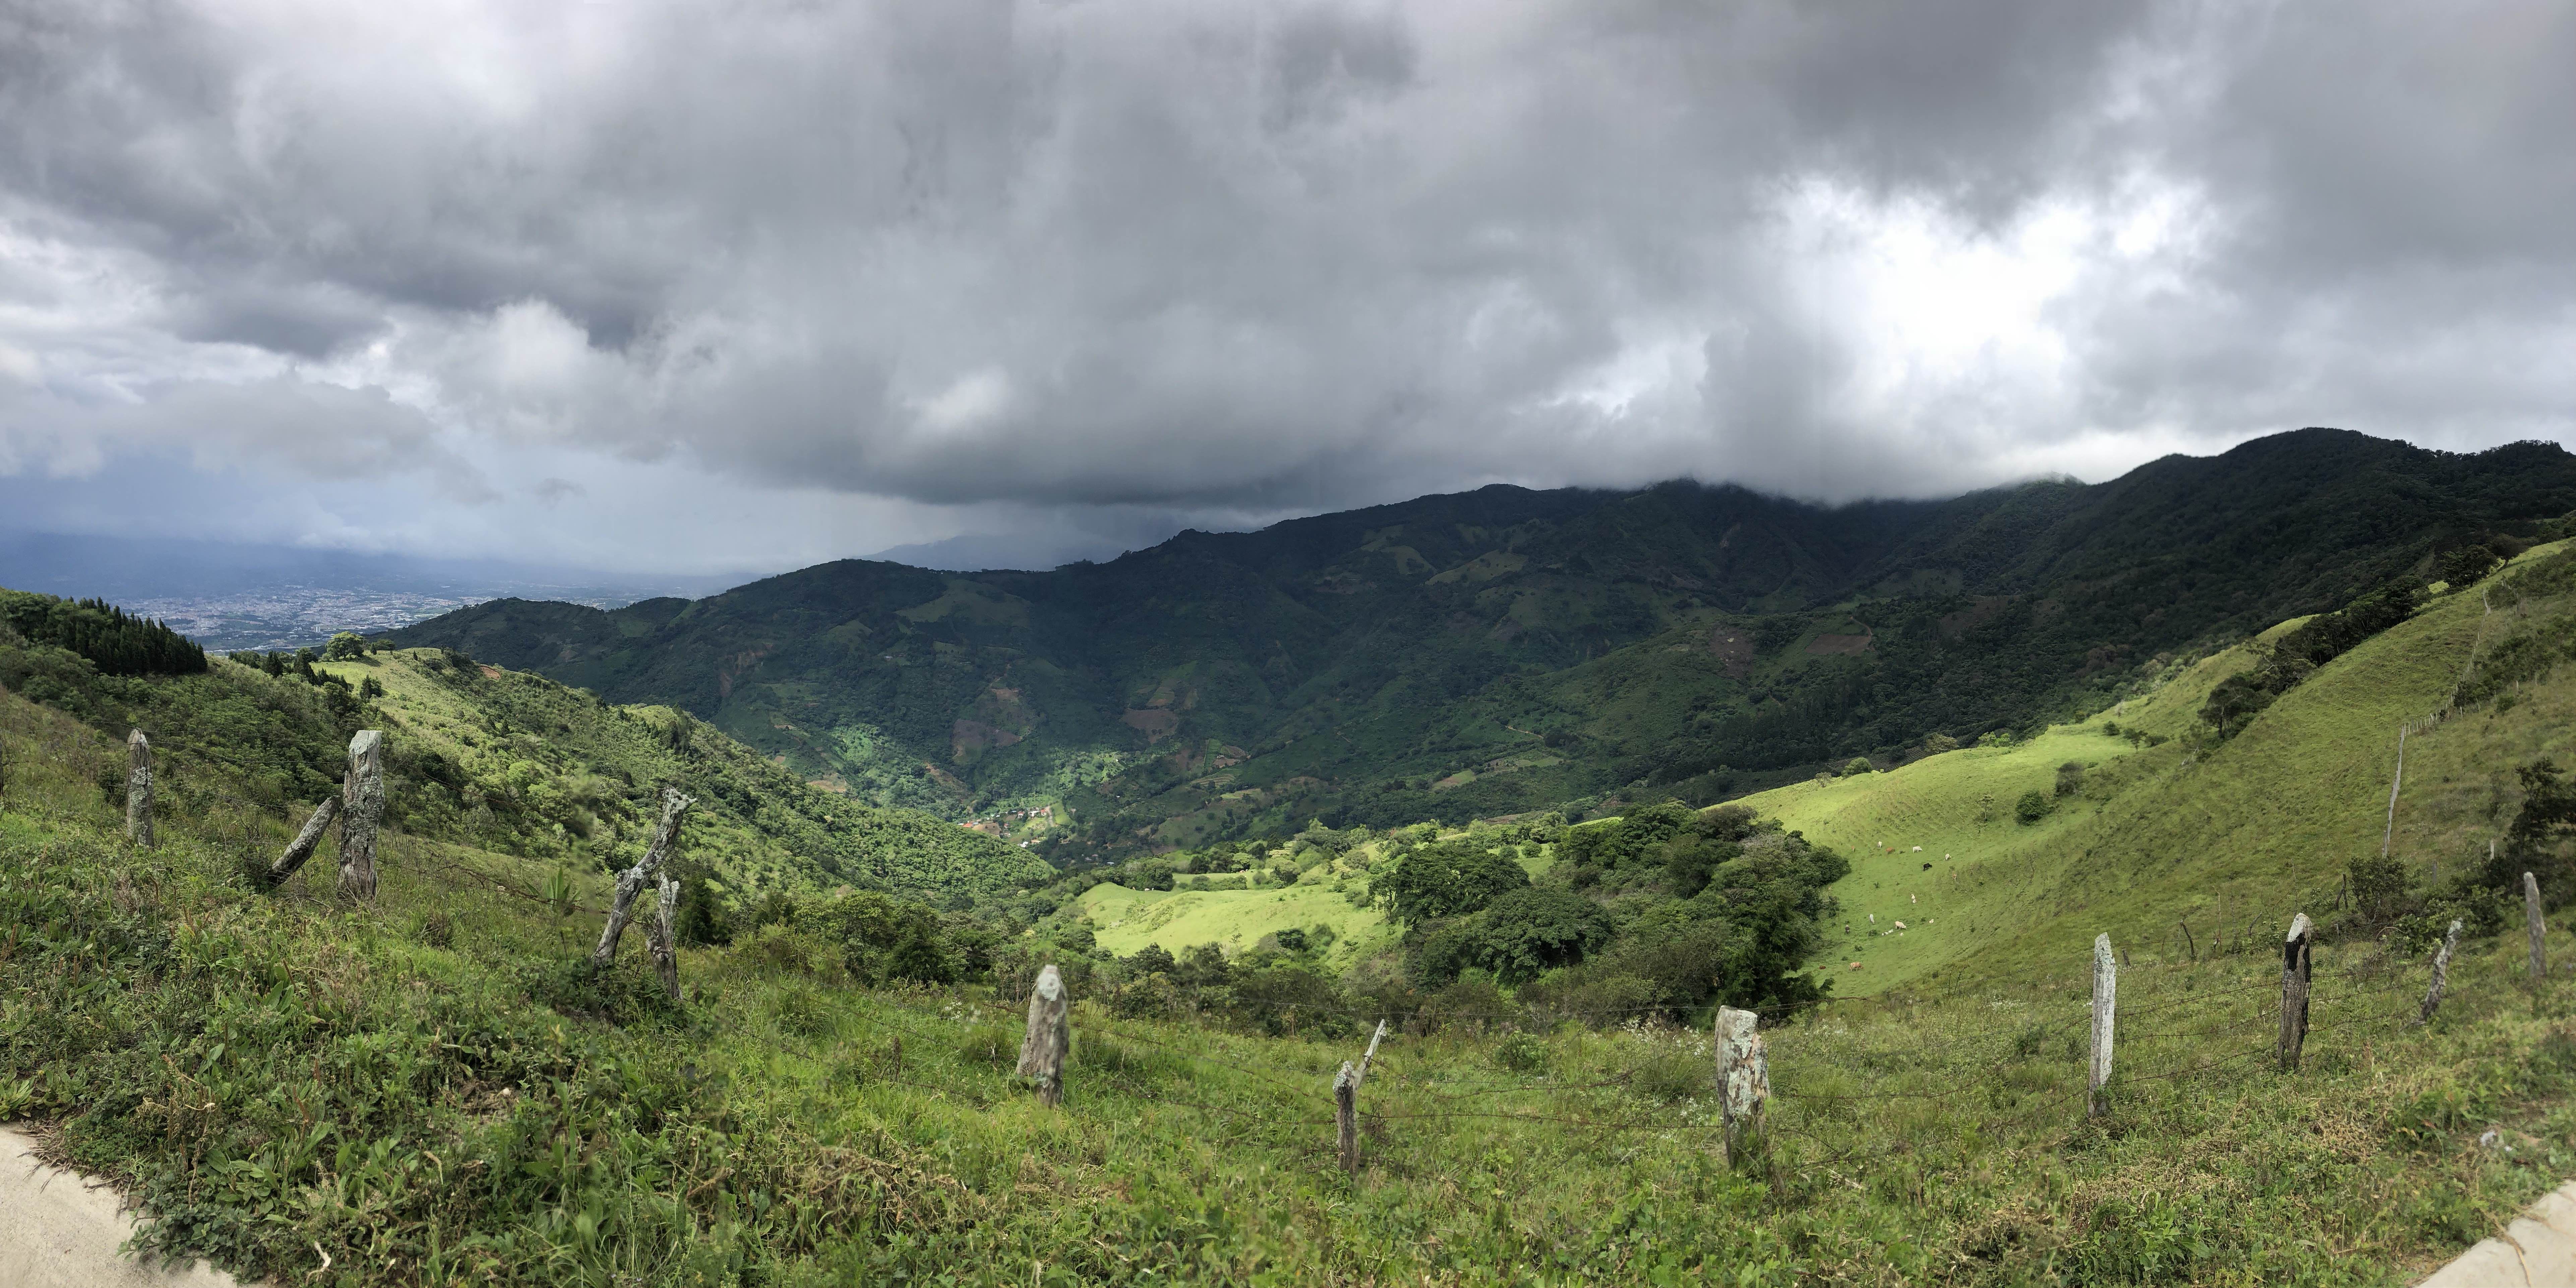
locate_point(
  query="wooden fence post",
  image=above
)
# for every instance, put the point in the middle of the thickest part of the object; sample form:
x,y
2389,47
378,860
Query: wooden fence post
x,y
2294,990
658,939
1743,1077
2441,973
306,841
666,836
1346,1102
2531,916
1042,1049
138,789
362,807
2106,990
2189,944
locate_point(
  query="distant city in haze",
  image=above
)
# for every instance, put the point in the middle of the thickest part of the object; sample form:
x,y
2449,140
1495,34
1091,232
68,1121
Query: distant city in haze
x,y
229,596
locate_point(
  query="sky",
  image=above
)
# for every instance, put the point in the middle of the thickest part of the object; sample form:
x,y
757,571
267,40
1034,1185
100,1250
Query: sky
x,y
706,287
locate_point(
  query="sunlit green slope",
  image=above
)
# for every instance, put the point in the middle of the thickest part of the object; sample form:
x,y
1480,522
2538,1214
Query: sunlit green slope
x,y
2222,838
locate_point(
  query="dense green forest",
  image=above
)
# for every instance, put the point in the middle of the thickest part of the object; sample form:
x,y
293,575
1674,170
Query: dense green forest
x,y
1504,650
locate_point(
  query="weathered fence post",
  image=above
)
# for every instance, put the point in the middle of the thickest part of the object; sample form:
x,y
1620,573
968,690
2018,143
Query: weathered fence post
x,y
2189,944
138,789
306,841
1743,1077
362,807
2389,834
2441,973
630,882
1346,1102
2294,991
2531,916
657,938
2106,989
1042,1049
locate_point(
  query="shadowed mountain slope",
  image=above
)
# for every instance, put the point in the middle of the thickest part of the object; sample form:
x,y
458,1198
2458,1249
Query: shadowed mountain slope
x,y
1506,649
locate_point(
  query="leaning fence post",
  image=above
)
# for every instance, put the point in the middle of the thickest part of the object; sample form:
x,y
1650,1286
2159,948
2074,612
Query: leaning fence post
x,y
306,840
2441,973
658,939
2106,988
138,789
630,882
2530,915
2294,991
1743,1077
361,808
1346,1102
1042,1048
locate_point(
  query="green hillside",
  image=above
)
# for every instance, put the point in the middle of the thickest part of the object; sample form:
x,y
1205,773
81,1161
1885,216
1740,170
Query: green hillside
x,y
2216,837
1501,651
431,1089
507,762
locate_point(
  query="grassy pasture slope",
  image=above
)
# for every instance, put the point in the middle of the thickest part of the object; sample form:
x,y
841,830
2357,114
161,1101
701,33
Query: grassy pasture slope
x,y
285,1077
1125,920
2230,840
563,753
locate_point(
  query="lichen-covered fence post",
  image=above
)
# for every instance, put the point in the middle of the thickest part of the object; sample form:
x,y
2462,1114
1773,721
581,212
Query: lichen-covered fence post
x,y
2106,988
2441,973
630,883
362,810
2531,917
658,938
2294,990
1743,1078
1346,1102
138,789
1050,1035
306,840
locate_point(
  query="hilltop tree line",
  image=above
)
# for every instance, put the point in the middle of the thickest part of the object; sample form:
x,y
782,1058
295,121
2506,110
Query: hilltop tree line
x,y
114,641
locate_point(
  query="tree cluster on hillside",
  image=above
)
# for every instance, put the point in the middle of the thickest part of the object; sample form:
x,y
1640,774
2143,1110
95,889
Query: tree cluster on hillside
x,y
101,633
2281,664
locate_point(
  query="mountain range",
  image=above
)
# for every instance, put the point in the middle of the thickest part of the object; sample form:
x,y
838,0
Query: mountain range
x,y
1508,649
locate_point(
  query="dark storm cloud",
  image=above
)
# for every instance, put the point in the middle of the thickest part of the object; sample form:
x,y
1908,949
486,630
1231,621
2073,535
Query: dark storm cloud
x,y
1279,256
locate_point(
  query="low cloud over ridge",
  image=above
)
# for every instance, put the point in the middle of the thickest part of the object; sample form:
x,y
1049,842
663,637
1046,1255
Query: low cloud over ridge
x,y
683,284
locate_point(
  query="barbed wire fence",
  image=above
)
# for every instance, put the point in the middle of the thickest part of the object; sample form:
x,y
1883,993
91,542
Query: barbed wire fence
x,y
2020,1082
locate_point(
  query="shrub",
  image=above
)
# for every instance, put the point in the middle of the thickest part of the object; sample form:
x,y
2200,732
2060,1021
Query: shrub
x,y
1520,1053
1472,1003
346,646
2070,778
1857,766
1938,743
799,1011
2033,806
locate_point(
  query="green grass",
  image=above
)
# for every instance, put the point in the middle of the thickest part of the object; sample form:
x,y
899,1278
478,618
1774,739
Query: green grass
x,y
551,772
1125,920
2228,839
429,1089
284,1077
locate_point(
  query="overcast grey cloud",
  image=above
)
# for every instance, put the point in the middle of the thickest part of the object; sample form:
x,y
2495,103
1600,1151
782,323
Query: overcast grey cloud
x,y
712,285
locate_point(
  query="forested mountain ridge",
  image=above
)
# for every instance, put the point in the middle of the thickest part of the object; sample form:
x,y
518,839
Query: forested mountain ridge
x,y
1503,649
